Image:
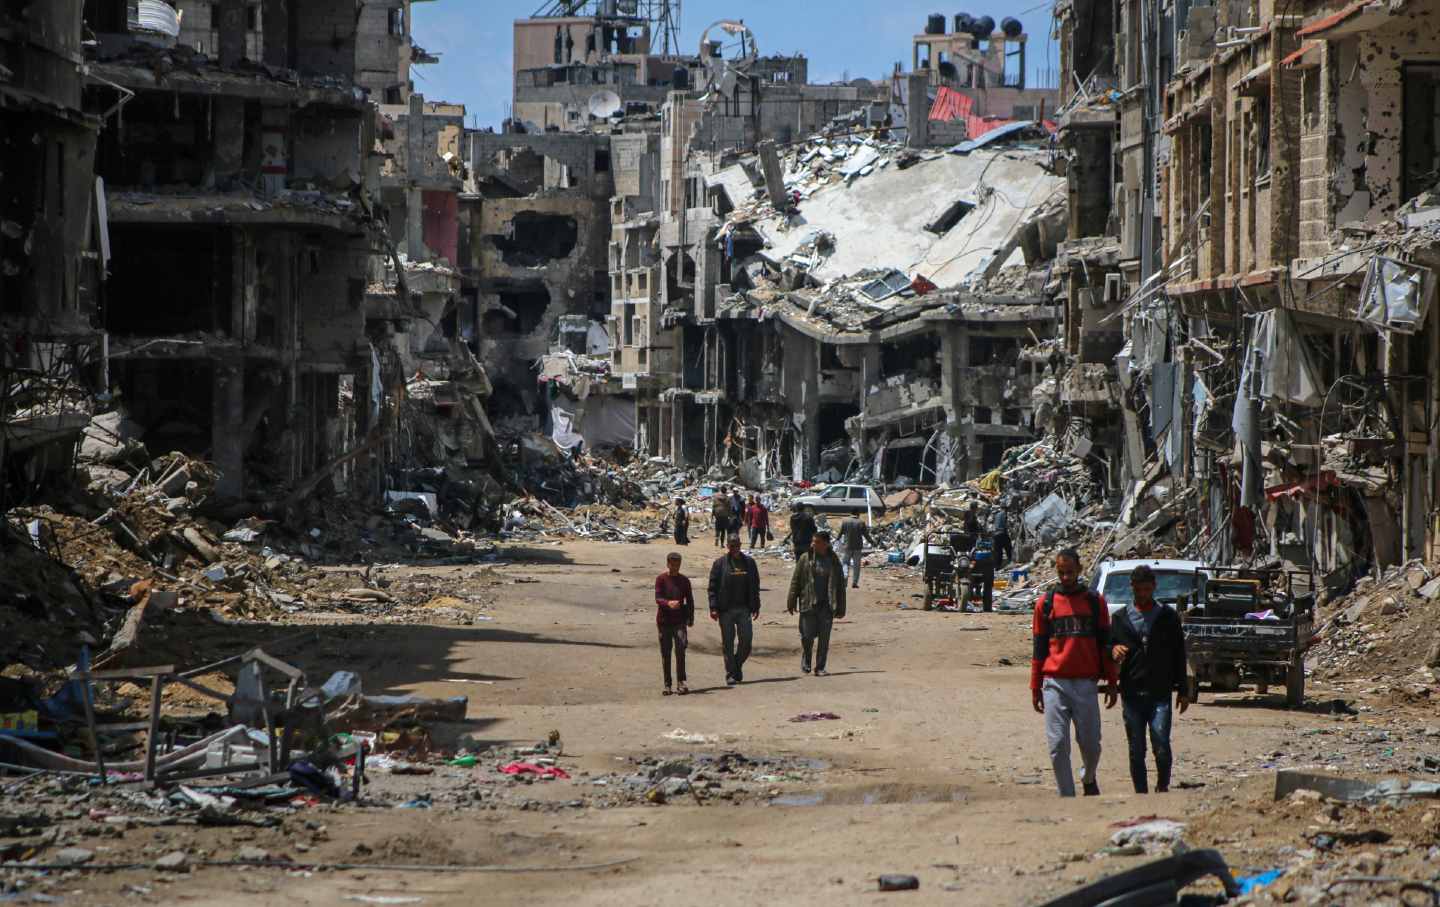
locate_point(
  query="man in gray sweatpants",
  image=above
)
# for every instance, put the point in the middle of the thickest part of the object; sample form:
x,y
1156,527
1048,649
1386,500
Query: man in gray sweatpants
x,y
1071,657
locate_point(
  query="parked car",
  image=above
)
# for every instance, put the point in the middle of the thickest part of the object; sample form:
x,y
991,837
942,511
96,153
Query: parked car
x,y
843,499
1174,580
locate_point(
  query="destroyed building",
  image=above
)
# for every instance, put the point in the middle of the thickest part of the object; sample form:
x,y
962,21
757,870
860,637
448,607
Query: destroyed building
x,y
1261,254
51,246
220,204
539,236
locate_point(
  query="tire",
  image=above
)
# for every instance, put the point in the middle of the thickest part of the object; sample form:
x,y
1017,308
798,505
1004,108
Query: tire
x,y
1295,682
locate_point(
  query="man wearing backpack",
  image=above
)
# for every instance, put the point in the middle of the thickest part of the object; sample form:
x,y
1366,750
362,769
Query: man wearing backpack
x,y
1149,646
1072,655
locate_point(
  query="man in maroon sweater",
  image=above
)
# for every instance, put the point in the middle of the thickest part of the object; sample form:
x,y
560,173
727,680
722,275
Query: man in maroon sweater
x,y
674,614
1072,655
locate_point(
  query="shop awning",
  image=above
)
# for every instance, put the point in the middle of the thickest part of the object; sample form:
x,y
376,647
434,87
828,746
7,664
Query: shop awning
x,y
1358,17
1307,57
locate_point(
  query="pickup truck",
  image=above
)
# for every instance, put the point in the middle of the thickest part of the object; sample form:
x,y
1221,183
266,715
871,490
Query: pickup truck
x,y
1251,627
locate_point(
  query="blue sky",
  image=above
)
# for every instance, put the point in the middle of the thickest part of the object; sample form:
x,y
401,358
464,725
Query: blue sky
x,y
859,37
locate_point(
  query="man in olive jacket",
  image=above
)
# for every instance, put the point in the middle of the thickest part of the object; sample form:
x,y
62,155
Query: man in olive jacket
x,y
817,591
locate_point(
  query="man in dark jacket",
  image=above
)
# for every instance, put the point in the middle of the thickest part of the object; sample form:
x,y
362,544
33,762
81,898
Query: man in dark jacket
x,y
1000,540
674,615
735,603
682,523
1149,645
817,591
802,529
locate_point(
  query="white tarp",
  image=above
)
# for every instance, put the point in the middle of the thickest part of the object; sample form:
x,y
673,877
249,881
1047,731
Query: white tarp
x,y
1396,295
562,430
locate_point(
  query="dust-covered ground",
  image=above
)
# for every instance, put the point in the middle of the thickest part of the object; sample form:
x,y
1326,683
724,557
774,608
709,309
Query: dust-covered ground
x,y
936,765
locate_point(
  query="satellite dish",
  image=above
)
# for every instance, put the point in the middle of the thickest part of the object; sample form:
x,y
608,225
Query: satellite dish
x,y
604,104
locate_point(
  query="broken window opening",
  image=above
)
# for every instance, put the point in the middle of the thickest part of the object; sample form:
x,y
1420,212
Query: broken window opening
x,y
831,423
1420,128
536,239
529,303
916,355
951,216
167,141
171,399
994,350
166,281
602,160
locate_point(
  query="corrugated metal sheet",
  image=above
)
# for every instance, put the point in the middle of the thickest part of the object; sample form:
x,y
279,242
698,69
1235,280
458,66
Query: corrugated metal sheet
x,y
159,17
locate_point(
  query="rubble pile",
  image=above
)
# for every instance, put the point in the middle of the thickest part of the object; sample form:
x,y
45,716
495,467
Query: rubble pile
x,y
1341,841
1383,635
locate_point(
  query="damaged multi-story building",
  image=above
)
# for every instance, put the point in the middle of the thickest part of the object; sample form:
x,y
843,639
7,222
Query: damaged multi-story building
x,y
763,308
206,194
52,238
1252,193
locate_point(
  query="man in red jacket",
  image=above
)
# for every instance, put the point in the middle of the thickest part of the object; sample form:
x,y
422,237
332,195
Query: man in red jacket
x,y
674,615
1072,655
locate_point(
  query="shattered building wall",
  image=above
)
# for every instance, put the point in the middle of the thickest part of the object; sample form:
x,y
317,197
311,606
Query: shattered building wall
x,y
540,243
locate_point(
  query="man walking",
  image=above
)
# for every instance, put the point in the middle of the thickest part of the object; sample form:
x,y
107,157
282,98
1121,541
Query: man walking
x,y
1003,546
720,513
759,522
853,535
1150,649
1072,653
817,591
737,512
682,523
734,594
674,615
802,529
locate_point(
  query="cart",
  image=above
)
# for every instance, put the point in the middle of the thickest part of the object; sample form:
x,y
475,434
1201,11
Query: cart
x,y
1251,627
946,564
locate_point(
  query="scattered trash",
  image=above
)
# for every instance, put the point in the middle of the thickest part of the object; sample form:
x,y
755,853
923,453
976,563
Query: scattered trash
x,y
681,735
899,883
530,768
816,716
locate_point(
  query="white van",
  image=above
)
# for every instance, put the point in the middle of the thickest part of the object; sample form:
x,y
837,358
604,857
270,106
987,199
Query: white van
x,y
1174,580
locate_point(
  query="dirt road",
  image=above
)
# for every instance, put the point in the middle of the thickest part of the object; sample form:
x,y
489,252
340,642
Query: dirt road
x,y
936,766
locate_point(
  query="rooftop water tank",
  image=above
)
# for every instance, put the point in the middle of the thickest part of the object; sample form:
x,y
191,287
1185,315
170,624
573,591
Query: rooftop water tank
x,y
984,27
1011,27
935,25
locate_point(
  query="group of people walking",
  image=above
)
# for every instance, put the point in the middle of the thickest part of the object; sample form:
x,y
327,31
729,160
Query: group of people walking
x,y
1080,654
732,513
816,594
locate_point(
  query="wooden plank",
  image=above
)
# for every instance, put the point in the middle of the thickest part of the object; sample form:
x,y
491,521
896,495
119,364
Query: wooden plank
x,y
87,698
152,744
124,673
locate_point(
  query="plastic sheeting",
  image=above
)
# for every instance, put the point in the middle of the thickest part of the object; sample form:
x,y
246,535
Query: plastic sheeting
x,y
1396,295
1286,370
600,422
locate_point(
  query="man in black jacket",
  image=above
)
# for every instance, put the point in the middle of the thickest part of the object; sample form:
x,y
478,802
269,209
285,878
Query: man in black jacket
x,y
1149,645
735,603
